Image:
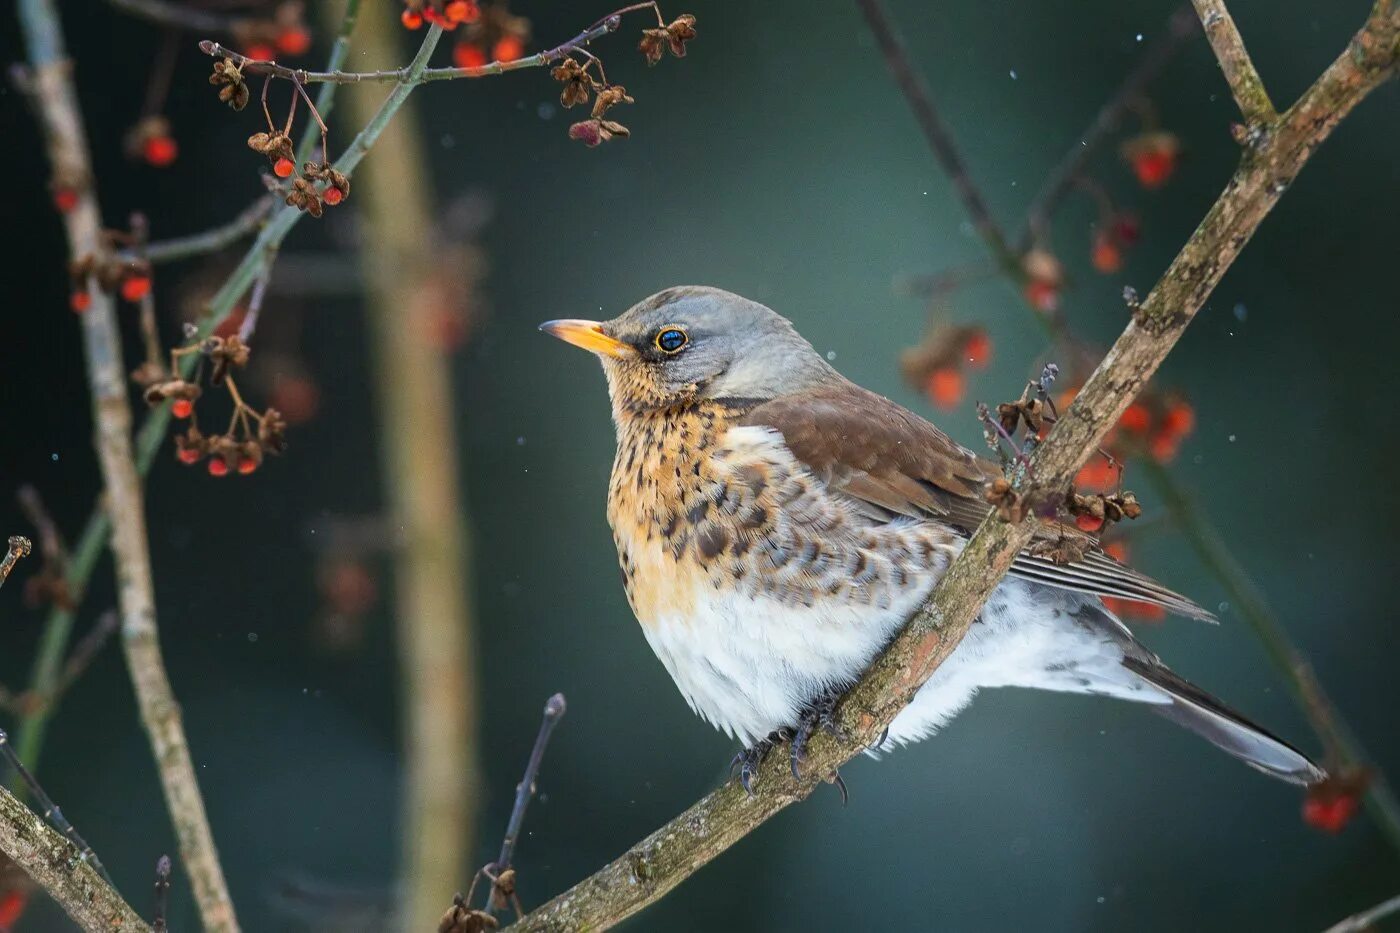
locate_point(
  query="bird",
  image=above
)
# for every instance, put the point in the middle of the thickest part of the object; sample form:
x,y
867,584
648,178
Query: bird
x,y
777,524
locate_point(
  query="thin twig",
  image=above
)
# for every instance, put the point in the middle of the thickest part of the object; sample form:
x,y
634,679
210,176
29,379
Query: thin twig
x,y
1180,25
1366,920
162,894
185,16
50,810
85,651
211,241
1245,83
72,882
19,546
554,710
936,132
661,861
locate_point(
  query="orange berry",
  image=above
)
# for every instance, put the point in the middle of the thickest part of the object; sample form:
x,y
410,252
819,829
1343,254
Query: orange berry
x,y
1180,419
1042,294
182,408
1154,167
978,349
80,301
332,196
247,465
260,52
461,11
283,168
188,455
1096,474
1163,447
294,41
1136,420
136,287
508,48
468,55
1105,255
1118,550
945,387
218,466
411,19
159,151
1088,523
65,199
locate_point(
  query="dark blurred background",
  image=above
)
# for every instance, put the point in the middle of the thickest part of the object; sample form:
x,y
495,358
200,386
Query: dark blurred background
x,y
776,160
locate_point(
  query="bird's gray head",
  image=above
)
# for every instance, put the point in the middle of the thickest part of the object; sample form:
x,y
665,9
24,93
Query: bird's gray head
x,y
692,342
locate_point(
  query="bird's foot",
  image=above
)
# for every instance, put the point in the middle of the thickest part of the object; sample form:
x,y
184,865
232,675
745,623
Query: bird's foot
x,y
748,760
819,715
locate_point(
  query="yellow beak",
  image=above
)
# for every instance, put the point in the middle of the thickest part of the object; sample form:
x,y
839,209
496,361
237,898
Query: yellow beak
x,y
588,335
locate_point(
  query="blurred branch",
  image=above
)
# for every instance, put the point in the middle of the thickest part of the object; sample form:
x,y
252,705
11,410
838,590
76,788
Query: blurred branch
x,y
56,102
1061,180
661,861
1245,83
72,881
1343,749
183,16
213,240
418,442
1366,920
939,137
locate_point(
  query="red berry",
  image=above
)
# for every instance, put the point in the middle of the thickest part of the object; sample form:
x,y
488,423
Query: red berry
x,y
182,408
460,11
1126,229
1329,812
1136,419
1042,294
188,455
1088,523
333,196
1097,474
1127,608
468,55
1106,255
1179,420
283,168
1154,168
433,16
411,19
1118,550
80,301
294,41
508,48
1163,447
978,349
12,904
136,287
218,466
945,387
247,465
65,199
261,52
159,151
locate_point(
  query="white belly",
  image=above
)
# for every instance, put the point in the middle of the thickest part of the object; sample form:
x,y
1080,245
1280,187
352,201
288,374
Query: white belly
x,y
750,664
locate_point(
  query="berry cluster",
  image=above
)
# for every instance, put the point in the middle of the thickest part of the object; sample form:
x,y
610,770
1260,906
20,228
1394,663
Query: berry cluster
x,y
130,278
935,366
249,436
284,32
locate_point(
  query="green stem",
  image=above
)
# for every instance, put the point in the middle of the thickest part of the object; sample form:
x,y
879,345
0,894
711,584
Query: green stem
x,y
1343,748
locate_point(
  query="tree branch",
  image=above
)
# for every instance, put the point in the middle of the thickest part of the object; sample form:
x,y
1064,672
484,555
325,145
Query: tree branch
x,y
212,240
1366,920
661,861
54,863
1245,83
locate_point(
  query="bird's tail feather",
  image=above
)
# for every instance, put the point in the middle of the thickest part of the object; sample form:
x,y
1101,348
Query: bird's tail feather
x,y
1224,728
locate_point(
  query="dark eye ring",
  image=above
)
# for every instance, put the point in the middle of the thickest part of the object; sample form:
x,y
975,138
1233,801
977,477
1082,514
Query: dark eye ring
x,y
671,340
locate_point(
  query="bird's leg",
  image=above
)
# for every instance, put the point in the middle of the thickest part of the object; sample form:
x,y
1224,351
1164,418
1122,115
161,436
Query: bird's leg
x,y
818,714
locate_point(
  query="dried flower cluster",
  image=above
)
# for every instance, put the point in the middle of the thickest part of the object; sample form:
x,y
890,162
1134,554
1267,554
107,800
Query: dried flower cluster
x,y
249,436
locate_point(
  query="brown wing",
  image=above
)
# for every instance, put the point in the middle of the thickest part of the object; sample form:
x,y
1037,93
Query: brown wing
x,y
890,463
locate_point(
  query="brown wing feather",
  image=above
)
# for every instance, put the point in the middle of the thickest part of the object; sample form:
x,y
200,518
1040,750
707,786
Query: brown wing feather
x,y
891,462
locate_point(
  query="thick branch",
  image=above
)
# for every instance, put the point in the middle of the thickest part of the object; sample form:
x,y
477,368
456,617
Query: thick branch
x,y
661,861
55,98
53,862
1245,83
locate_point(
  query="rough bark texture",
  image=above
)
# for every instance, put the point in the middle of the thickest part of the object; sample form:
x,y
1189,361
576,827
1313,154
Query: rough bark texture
x,y
53,862
56,102
1276,153
419,448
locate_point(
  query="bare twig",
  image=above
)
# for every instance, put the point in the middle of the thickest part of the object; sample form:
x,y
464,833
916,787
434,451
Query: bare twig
x,y
936,132
72,882
19,546
554,710
162,894
1245,83
1180,25
211,241
184,16
1366,920
85,651
661,861
56,102
50,810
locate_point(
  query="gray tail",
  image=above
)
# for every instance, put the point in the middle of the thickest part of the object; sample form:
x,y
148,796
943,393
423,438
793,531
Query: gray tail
x,y
1224,728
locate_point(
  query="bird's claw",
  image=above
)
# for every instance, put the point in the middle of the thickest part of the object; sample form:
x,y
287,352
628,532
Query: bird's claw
x,y
819,714
747,761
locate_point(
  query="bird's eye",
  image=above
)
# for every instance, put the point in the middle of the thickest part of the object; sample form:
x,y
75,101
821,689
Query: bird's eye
x,y
671,339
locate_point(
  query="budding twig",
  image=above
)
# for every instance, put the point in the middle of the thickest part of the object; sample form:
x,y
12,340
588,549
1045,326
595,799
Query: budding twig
x,y
20,546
